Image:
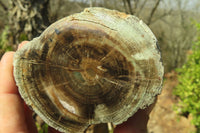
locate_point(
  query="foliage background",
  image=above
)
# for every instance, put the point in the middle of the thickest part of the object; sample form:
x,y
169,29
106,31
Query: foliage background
x,y
188,89
172,21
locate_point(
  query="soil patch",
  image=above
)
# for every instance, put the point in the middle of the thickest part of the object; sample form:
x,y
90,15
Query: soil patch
x,y
163,118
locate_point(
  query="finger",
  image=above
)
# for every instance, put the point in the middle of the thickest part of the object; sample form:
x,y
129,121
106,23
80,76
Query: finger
x,y
7,83
12,117
137,123
22,44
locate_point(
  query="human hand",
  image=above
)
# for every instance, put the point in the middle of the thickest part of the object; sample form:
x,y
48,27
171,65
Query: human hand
x,y
137,123
16,117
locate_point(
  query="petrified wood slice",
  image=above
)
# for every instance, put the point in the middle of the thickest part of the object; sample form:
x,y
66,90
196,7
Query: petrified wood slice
x,y
97,66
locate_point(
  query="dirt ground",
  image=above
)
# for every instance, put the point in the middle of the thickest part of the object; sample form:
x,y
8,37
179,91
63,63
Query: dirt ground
x,y
163,118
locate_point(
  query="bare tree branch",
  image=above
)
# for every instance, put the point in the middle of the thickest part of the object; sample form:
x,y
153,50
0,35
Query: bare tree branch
x,y
124,2
153,11
162,16
135,6
3,5
91,3
130,7
141,8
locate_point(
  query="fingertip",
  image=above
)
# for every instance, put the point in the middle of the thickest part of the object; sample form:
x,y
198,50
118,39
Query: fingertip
x,y
7,58
22,44
7,82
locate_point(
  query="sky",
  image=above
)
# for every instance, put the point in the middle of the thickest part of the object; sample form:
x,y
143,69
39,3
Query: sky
x,y
186,4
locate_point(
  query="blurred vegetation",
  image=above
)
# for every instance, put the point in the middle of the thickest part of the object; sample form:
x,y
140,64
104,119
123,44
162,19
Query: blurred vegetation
x,y
42,128
188,89
4,46
4,40
171,21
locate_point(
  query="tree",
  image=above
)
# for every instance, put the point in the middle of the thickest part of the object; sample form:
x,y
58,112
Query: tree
x,y
27,18
175,33
141,5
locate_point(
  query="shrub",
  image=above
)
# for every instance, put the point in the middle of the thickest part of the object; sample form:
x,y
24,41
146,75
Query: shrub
x,y
188,89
